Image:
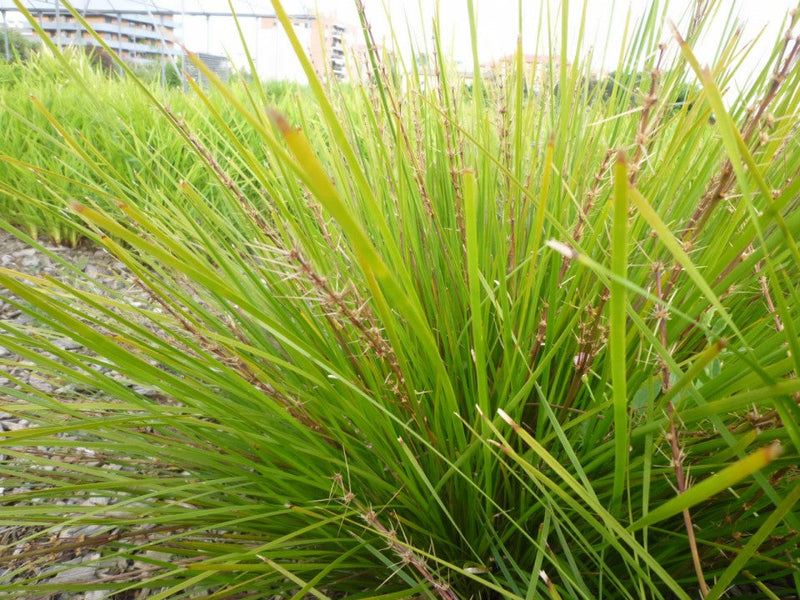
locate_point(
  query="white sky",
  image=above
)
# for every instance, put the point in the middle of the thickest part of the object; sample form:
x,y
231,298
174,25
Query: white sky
x,y
498,24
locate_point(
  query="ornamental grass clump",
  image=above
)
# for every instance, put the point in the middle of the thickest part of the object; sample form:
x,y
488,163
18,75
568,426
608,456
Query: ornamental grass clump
x,y
526,337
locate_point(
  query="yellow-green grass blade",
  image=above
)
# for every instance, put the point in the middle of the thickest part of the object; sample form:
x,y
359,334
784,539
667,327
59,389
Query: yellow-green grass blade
x,y
385,287
478,349
429,486
697,367
260,334
738,152
618,330
608,276
326,193
342,143
271,564
741,158
674,246
764,397
566,445
709,487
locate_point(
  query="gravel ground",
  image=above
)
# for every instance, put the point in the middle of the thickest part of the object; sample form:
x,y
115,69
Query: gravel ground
x,y
93,265
96,264
73,566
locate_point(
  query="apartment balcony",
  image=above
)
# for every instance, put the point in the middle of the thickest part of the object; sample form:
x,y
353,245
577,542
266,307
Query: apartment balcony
x,y
107,29
146,50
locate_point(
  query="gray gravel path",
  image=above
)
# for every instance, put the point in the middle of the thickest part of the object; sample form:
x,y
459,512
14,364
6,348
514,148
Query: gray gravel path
x,y
90,267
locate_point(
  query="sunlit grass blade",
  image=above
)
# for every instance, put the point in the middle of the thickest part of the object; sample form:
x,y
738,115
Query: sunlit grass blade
x,y
707,488
618,330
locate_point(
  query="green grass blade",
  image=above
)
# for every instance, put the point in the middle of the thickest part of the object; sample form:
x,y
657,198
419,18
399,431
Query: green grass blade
x,y
618,330
707,488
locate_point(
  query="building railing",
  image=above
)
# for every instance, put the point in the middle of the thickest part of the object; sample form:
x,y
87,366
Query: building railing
x,y
107,28
150,49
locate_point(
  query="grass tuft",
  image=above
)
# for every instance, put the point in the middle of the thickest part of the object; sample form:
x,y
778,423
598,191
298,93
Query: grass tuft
x,y
533,336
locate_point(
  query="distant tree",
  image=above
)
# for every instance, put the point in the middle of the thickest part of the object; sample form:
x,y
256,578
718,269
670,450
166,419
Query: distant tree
x,y
583,88
624,85
628,90
636,84
101,59
19,46
168,74
173,73
686,95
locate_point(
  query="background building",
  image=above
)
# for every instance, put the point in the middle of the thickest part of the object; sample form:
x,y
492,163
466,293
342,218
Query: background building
x,y
323,38
138,32
144,31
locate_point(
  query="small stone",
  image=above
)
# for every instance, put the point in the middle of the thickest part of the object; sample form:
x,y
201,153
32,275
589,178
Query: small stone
x,y
40,384
31,262
96,501
24,252
144,391
85,530
75,575
22,319
67,344
13,424
155,555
